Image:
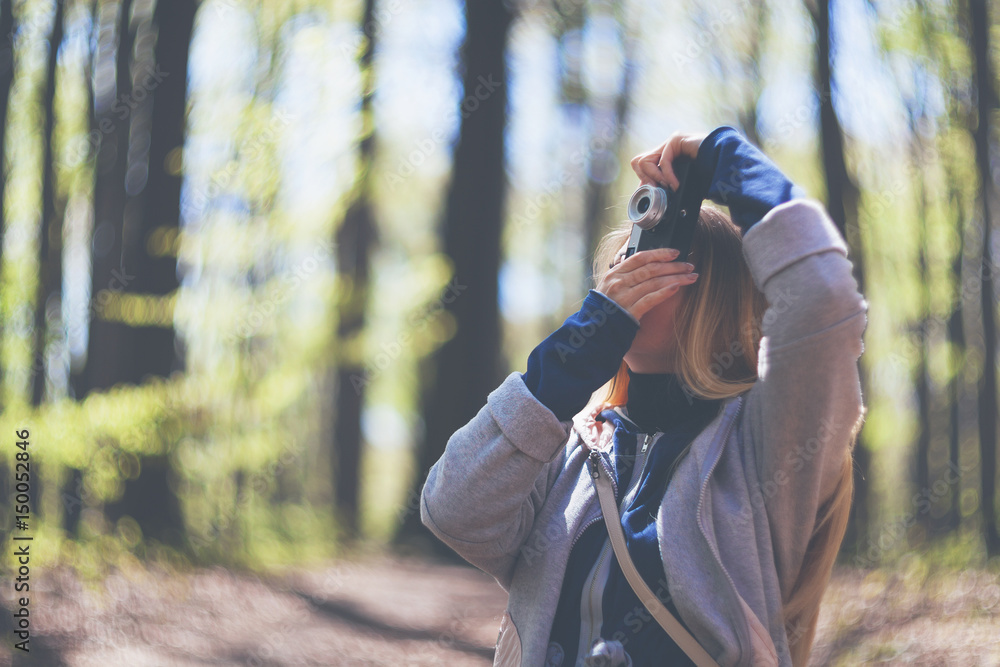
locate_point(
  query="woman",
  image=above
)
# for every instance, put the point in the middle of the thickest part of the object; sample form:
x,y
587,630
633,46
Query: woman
x,y
731,408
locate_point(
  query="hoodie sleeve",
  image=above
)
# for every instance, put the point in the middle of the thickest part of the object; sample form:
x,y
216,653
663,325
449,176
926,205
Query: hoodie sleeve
x,y
482,495
803,411
733,172
566,368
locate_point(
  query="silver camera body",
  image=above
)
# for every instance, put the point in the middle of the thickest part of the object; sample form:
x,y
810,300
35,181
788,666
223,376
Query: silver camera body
x,y
662,217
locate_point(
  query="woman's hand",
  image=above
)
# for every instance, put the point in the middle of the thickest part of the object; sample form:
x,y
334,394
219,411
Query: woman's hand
x,y
656,166
645,279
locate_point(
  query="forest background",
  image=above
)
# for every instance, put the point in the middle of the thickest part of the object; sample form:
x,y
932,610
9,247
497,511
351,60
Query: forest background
x,y
261,258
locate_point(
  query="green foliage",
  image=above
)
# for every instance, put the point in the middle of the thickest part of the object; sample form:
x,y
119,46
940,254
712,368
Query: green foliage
x,y
271,164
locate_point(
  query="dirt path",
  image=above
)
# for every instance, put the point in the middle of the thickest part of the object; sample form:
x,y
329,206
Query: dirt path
x,y
403,612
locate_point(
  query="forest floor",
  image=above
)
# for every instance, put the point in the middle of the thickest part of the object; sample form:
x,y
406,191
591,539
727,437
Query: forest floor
x,y
393,611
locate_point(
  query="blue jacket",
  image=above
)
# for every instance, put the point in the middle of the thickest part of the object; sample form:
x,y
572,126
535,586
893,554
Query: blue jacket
x,y
512,492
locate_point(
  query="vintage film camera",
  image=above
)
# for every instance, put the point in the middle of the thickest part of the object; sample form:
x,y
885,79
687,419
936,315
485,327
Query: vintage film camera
x,y
663,218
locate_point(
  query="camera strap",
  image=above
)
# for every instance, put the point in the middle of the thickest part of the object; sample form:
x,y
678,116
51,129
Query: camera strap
x,y
673,627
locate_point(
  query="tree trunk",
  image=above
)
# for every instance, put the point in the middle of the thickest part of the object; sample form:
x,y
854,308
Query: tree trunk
x,y
468,366
6,81
613,119
50,229
150,247
106,341
959,112
141,121
956,340
842,203
986,104
109,346
922,477
355,239
748,113
151,242
72,488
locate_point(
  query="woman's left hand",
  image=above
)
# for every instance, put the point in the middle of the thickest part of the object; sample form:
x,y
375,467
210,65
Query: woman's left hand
x,y
656,166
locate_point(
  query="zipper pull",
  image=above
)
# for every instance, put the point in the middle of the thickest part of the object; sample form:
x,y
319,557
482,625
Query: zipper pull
x,y
645,445
594,470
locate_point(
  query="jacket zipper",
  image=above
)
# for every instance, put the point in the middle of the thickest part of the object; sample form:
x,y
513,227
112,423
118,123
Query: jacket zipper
x,y
594,455
595,460
590,595
579,533
701,524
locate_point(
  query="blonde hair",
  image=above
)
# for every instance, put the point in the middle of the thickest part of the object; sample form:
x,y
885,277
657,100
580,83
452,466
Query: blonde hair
x,y
717,327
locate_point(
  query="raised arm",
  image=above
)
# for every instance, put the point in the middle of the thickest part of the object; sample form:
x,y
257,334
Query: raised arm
x,y
482,496
805,407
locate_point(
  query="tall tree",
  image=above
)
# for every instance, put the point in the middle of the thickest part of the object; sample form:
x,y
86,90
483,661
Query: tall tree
x,y
107,340
355,238
139,113
149,244
922,455
6,81
978,24
152,232
49,232
53,208
609,116
959,112
842,203
104,28
468,367
956,339
755,30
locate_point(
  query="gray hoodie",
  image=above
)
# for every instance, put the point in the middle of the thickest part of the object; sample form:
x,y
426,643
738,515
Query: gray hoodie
x,y
512,491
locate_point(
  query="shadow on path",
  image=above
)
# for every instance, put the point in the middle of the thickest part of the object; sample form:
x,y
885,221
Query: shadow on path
x,y
345,611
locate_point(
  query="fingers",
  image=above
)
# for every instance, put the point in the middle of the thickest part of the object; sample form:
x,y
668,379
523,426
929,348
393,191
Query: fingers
x,y
655,270
666,163
646,256
660,289
656,166
646,278
645,166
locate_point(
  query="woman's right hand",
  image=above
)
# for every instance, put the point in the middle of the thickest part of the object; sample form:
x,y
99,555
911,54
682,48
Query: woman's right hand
x,y
656,166
646,279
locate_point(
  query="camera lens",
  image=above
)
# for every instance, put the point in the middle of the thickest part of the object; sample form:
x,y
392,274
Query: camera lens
x,y
647,206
